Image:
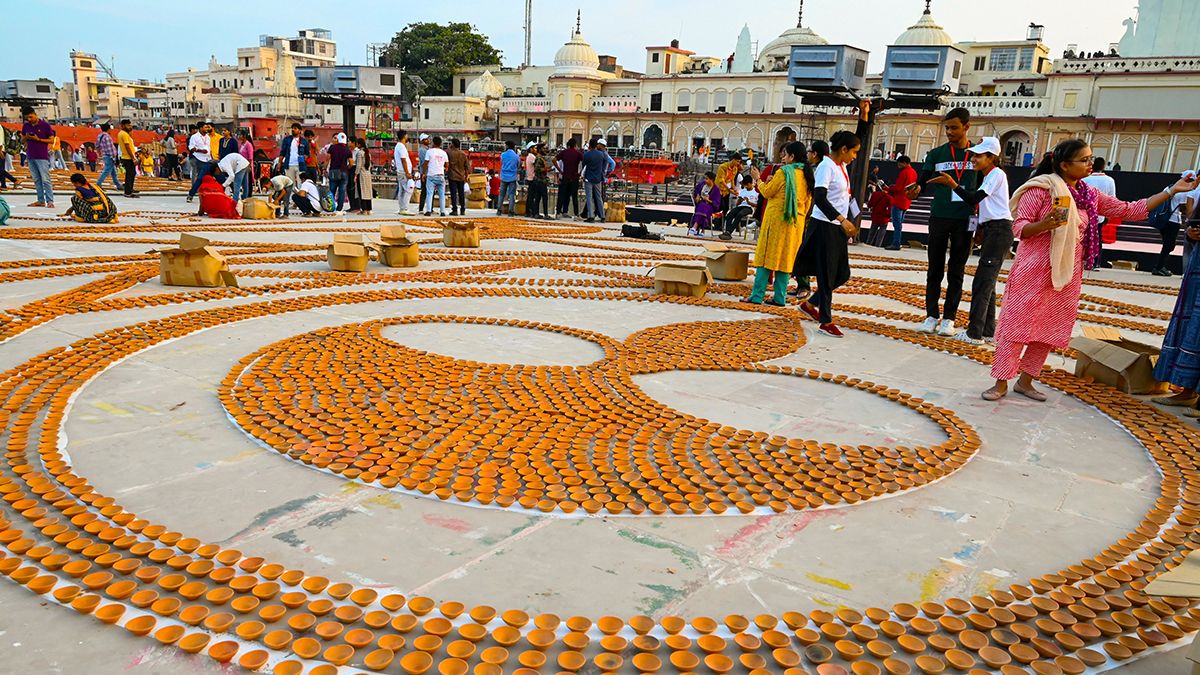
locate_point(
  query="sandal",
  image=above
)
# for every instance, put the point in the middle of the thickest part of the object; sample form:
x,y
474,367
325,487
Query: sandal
x,y
1172,401
994,394
803,295
1031,394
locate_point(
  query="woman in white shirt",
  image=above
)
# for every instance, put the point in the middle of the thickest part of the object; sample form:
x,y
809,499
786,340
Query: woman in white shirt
x,y
825,254
993,233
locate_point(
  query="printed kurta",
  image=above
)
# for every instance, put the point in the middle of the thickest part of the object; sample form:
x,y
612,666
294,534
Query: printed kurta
x,y
779,240
1031,310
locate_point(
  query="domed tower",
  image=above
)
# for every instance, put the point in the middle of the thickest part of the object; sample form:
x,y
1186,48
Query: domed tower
x,y
775,56
925,33
489,90
577,77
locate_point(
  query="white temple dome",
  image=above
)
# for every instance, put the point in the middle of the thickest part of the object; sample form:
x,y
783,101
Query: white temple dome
x,y
925,33
485,86
576,57
779,51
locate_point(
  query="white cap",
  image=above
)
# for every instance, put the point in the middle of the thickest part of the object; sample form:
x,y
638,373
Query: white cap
x,y
989,144
531,144
423,137
1189,174
601,141
341,137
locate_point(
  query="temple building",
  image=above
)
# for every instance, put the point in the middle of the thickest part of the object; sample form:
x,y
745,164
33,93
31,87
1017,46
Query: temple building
x,y
1139,111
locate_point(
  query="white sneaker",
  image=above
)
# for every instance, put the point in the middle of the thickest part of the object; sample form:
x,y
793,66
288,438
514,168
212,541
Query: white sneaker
x,y
930,325
963,337
946,328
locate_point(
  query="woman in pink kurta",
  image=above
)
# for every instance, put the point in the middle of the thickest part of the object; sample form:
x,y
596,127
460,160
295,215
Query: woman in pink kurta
x,y
1056,218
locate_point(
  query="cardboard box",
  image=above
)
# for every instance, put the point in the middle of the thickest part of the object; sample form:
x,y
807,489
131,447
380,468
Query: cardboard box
x,y
1182,582
460,234
347,253
403,253
477,204
614,212
256,208
1107,357
725,263
683,278
193,263
393,232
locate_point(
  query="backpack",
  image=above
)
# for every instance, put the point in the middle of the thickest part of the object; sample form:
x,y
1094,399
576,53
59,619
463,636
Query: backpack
x,y
1160,217
5,212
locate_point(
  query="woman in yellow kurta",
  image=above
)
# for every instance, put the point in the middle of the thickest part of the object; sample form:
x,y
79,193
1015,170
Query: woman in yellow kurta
x,y
789,199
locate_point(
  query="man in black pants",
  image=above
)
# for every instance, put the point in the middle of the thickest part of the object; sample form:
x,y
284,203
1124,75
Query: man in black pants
x,y
568,162
948,221
128,155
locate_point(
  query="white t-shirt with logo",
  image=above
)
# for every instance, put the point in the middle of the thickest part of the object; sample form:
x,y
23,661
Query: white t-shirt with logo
x,y
995,205
832,176
748,196
436,160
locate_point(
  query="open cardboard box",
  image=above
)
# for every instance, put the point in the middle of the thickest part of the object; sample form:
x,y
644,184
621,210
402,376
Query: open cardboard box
x,y
394,247
460,234
1181,582
347,253
257,208
1107,357
725,263
193,263
683,278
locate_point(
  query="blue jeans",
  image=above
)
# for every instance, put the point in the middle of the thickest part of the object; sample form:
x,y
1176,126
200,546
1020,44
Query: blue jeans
x,y
508,193
435,184
239,184
593,200
339,183
110,169
898,225
40,169
200,169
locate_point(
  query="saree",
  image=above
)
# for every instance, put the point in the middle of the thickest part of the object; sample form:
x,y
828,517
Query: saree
x,y
91,205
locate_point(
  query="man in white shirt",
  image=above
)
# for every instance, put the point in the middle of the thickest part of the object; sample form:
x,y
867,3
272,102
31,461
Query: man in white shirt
x,y
436,160
308,197
277,189
200,150
1104,184
1182,205
234,167
404,174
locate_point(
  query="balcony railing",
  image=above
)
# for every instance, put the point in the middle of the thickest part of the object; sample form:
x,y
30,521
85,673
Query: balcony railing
x,y
1002,105
526,104
615,104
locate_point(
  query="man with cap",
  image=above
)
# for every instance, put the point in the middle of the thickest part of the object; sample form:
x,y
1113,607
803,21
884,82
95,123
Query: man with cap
x,y
339,171
422,150
992,229
610,166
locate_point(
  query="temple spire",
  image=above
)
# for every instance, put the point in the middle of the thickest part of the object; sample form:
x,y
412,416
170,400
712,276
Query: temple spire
x,y
800,19
927,3
578,21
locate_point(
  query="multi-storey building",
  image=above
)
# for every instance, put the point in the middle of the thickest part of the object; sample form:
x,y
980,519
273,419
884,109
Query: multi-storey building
x,y
100,95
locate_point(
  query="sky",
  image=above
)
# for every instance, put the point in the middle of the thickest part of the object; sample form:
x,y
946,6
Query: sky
x,y
146,40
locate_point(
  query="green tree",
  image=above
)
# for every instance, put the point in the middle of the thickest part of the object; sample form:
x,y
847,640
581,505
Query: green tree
x,y
435,51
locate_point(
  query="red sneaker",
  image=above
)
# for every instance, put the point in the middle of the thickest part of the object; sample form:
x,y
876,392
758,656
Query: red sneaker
x,y
832,330
811,311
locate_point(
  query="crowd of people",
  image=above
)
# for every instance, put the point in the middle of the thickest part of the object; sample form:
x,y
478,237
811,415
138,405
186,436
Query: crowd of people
x,y
811,216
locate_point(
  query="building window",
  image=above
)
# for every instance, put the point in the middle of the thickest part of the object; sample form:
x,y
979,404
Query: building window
x,y
462,85
387,80
656,102
702,101
427,113
980,62
85,64
720,102
1025,62
1070,100
1004,59
653,58
758,102
321,48
683,101
739,101
789,101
